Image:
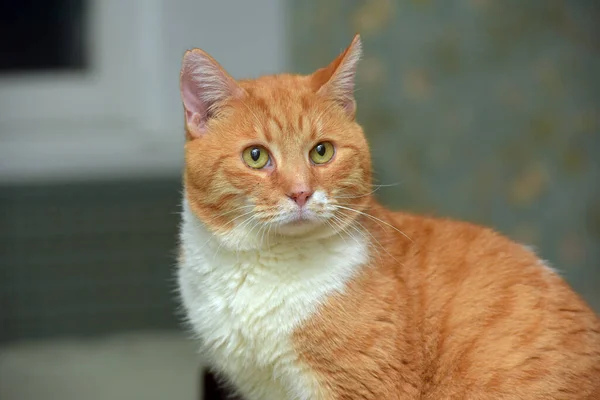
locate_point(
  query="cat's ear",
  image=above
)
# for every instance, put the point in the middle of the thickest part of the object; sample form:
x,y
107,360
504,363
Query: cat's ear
x,y
204,86
336,81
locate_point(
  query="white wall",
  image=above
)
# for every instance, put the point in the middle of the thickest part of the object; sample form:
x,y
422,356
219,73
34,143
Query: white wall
x,y
145,137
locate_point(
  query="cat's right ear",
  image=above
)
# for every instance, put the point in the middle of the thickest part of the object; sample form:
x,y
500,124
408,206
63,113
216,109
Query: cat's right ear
x,y
204,86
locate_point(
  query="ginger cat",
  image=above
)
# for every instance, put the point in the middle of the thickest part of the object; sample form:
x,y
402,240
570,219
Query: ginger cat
x,y
299,285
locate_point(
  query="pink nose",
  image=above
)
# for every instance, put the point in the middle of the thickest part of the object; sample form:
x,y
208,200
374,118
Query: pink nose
x,y
300,197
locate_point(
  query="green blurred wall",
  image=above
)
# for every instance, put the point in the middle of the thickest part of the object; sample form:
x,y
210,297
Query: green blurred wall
x,y
482,110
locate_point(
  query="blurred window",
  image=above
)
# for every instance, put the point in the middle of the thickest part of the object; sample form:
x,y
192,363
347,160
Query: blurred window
x,y
42,35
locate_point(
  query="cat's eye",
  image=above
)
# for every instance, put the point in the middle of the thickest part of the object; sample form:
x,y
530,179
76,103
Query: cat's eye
x,y
256,157
322,153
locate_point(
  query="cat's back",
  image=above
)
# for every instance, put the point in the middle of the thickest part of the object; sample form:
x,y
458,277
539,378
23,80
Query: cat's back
x,y
494,318
452,310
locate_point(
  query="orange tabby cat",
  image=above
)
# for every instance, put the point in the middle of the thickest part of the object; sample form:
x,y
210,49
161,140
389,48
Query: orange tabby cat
x,y
299,285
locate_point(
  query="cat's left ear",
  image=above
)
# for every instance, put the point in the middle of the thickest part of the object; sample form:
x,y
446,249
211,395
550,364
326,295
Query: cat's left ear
x,y
336,81
205,87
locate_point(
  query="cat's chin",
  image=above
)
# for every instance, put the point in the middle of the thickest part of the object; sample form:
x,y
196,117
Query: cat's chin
x,y
299,227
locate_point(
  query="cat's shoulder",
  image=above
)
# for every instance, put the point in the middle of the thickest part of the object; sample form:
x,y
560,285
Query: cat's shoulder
x,y
454,236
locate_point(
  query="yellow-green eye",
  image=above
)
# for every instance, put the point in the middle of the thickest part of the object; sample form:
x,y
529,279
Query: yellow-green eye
x,y
256,157
322,153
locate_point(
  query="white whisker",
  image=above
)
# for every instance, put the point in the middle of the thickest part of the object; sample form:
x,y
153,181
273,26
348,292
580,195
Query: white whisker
x,y
374,219
245,222
345,229
379,243
371,192
234,210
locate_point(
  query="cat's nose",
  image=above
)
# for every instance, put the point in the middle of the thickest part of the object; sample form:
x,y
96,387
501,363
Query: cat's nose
x,y
300,197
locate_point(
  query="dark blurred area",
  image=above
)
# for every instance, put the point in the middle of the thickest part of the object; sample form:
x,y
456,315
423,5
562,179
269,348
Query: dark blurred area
x,y
480,110
42,35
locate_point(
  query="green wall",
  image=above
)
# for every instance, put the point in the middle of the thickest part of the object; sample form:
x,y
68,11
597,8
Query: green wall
x,y
482,110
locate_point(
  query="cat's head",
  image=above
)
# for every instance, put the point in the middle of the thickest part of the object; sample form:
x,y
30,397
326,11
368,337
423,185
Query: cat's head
x,y
279,156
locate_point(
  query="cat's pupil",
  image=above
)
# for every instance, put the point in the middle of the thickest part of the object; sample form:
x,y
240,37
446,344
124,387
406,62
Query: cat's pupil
x,y
320,150
255,154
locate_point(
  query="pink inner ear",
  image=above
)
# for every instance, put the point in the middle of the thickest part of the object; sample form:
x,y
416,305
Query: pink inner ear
x,y
340,85
349,106
196,123
195,107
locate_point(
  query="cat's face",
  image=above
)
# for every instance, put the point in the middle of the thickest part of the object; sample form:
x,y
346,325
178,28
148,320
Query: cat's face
x,y
277,156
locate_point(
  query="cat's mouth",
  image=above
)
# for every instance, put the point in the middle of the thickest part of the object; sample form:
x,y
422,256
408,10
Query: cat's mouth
x,y
301,217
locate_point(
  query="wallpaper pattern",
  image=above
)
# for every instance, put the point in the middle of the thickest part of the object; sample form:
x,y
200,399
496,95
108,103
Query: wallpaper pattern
x,y
482,110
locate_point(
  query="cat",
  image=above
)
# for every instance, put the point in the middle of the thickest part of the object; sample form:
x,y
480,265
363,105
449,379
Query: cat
x,y
299,285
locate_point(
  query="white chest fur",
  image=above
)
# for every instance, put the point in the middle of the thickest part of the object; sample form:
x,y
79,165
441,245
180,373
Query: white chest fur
x,y
245,305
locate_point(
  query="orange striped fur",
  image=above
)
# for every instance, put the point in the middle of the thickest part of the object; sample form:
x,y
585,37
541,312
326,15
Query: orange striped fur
x,y
438,309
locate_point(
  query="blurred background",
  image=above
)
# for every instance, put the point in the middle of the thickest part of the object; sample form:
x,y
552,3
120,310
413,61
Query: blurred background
x,y
482,110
